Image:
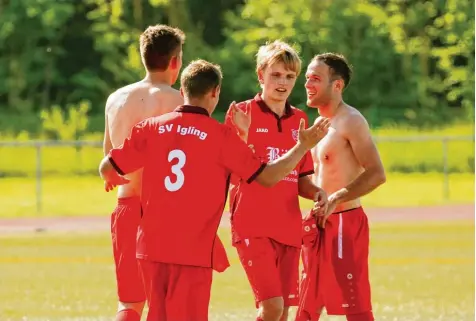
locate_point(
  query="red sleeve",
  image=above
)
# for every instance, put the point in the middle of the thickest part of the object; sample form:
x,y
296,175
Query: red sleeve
x,y
130,156
238,158
306,166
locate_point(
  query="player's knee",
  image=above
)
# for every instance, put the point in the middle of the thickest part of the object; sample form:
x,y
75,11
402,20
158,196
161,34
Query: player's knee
x,y
364,316
272,309
136,306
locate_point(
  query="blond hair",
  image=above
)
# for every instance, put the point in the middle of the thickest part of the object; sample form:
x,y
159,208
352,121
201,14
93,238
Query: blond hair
x,y
278,51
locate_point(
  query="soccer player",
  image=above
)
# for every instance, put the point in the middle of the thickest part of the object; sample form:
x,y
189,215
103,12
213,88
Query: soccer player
x,y
348,166
187,158
161,51
266,222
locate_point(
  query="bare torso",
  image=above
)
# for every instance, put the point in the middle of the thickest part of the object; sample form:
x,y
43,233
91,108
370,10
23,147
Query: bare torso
x,y
335,163
130,105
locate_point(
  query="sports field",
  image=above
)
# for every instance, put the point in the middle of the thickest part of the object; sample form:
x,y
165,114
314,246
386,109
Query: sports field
x,y
422,268
57,264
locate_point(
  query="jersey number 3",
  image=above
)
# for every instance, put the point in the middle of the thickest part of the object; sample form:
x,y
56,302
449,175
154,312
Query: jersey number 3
x,y
177,170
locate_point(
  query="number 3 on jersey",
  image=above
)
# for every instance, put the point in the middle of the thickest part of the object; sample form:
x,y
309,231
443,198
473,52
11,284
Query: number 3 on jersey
x,y
177,170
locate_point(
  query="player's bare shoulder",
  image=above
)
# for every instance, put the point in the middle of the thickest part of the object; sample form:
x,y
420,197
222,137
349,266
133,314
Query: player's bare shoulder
x,y
169,96
119,97
349,122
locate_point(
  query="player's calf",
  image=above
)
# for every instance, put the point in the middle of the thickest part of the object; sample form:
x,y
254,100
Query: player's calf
x,y
271,309
284,316
129,311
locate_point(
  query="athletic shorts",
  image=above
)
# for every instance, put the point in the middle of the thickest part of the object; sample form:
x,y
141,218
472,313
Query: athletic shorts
x,y
124,224
335,266
272,269
176,292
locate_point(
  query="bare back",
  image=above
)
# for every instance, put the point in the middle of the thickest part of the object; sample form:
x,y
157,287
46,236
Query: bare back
x,y
335,161
130,105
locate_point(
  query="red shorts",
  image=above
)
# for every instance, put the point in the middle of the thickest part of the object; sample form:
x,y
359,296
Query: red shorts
x,y
335,266
176,292
272,269
124,224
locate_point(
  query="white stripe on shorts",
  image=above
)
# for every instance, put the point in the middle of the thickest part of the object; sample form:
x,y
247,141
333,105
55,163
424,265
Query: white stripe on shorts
x,y
339,237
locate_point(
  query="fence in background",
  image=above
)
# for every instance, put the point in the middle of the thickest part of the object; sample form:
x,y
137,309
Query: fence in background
x,y
40,145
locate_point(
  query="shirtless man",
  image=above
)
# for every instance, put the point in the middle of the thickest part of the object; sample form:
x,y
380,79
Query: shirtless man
x,y
161,52
347,166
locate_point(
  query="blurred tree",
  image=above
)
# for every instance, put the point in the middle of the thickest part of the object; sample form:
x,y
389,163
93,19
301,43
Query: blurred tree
x,y
404,61
413,60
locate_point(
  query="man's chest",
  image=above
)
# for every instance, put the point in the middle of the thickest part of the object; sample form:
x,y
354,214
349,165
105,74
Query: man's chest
x,y
331,147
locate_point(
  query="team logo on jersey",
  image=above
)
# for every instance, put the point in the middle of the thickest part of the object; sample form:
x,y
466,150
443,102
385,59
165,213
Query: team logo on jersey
x,y
273,153
295,134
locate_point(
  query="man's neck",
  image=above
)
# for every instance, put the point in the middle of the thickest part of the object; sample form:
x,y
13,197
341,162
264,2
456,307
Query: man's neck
x,y
277,107
158,78
197,103
330,110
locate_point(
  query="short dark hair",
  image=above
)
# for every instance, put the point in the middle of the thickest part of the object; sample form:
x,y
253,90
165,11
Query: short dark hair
x,y
338,66
199,77
158,44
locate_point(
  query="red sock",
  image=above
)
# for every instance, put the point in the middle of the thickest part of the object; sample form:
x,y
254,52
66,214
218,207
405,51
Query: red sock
x,y
127,315
364,316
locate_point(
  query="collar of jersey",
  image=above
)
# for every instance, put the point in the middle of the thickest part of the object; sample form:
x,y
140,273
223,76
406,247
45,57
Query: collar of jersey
x,y
192,109
288,111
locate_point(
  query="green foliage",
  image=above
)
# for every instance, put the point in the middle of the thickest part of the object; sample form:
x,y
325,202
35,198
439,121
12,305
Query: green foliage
x,y
406,55
413,60
56,125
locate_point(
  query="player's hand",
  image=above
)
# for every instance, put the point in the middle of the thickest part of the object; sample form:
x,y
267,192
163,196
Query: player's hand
x,y
240,119
321,202
112,179
324,215
311,136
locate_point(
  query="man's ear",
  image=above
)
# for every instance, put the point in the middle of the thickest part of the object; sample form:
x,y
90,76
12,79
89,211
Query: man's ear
x,y
216,91
338,85
173,64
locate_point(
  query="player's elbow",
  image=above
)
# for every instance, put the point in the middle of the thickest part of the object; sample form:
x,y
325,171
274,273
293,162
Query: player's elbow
x,y
104,166
380,177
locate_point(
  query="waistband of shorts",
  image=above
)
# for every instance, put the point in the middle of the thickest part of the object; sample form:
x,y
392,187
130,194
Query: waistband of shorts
x,y
359,208
128,200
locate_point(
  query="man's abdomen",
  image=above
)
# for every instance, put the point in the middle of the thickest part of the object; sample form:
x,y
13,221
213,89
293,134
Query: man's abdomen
x,y
133,188
334,178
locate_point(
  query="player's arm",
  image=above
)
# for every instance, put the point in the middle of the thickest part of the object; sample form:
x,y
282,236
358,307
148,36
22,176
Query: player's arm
x,y
127,158
107,144
357,132
307,188
239,159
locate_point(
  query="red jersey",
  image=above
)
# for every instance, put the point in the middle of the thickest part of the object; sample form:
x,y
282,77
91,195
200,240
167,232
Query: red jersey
x,y
187,158
273,212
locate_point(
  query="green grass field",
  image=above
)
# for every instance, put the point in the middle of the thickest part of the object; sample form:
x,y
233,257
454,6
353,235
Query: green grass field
x,y
84,195
419,272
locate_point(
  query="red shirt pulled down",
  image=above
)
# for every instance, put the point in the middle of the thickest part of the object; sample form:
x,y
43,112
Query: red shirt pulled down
x,y
266,222
187,158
